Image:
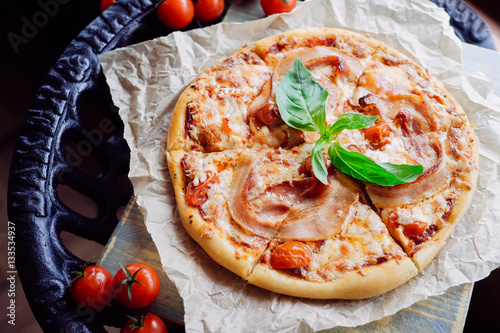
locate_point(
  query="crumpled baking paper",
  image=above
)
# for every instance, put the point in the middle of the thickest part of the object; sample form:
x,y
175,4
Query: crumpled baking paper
x,y
145,82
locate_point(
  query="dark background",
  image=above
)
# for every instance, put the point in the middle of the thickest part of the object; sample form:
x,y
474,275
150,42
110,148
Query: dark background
x,y
21,73
23,69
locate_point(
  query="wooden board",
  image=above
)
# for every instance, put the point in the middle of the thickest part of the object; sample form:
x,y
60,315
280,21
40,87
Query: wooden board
x,y
131,242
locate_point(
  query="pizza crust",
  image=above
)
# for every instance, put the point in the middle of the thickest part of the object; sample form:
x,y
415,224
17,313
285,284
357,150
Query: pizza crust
x,y
176,133
273,48
368,282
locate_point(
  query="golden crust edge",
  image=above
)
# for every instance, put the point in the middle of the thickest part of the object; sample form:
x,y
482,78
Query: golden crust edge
x,y
176,127
266,42
263,44
374,280
218,248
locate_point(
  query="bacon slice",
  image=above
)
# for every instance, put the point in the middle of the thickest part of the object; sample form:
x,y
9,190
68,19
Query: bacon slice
x,y
306,55
263,223
319,214
415,140
429,183
346,69
303,209
432,180
262,99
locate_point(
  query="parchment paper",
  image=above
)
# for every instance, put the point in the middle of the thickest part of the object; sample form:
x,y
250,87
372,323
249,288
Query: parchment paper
x,y
145,82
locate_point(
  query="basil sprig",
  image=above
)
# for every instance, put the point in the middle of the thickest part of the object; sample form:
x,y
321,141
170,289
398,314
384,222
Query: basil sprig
x,y
361,167
302,104
303,98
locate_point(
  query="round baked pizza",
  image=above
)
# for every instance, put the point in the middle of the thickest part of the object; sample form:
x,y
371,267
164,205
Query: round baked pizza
x,y
321,163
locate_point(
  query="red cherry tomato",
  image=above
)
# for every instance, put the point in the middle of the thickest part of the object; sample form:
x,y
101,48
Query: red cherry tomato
x,y
208,10
92,287
136,285
175,14
414,229
277,6
105,4
291,254
392,223
197,195
146,323
377,135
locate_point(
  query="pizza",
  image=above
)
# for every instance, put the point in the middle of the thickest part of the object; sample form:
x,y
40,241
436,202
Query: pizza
x,y
283,201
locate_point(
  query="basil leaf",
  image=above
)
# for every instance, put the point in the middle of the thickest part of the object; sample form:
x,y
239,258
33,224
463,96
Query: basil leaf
x,y
350,121
301,99
405,172
317,161
361,167
302,104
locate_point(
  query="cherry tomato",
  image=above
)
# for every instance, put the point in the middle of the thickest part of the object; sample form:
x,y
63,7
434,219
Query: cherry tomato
x,y
136,285
175,14
92,287
392,223
377,135
225,126
145,323
414,229
197,195
105,4
268,114
277,6
291,254
208,10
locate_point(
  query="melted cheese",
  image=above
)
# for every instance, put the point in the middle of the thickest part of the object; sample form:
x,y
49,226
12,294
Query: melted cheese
x,y
363,239
218,114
